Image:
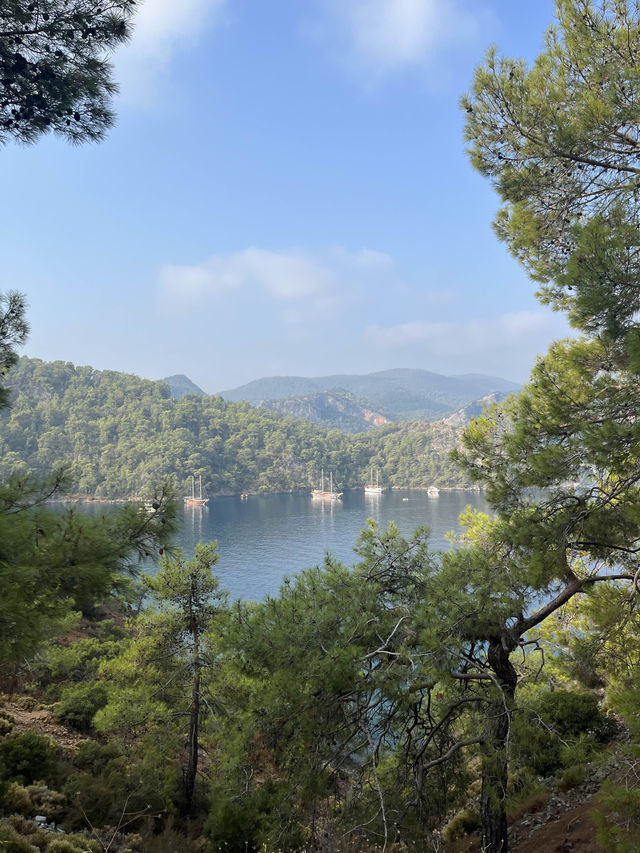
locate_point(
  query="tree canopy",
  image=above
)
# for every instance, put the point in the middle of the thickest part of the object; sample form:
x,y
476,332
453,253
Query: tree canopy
x,y
54,68
560,143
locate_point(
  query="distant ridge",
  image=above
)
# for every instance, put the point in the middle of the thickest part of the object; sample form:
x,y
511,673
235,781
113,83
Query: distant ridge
x,y
398,394
180,385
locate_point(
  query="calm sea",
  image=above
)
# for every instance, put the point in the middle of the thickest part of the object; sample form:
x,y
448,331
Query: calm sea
x,y
263,538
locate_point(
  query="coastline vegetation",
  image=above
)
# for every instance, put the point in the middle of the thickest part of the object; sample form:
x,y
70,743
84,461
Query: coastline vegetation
x,y
415,697
118,435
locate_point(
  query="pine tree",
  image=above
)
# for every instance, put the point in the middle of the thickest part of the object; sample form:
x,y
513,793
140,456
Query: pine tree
x,y
54,68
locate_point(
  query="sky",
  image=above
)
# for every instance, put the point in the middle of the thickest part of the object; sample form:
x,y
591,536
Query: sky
x,y
285,192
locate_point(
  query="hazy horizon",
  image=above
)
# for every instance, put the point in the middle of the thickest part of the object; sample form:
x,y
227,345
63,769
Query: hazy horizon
x,y
286,192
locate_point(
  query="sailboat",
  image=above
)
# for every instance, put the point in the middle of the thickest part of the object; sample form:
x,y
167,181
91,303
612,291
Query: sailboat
x,y
193,499
374,488
322,493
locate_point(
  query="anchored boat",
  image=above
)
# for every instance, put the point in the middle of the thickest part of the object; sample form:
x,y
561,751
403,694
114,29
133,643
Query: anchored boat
x,y
196,500
374,488
322,493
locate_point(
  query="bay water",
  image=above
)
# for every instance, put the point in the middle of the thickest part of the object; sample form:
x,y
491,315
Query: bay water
x,y
263,538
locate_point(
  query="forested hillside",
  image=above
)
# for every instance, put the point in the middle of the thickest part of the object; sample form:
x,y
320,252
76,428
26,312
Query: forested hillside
x,y
119,435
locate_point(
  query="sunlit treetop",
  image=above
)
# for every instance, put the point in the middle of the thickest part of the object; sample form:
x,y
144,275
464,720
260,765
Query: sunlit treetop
x,y
54,68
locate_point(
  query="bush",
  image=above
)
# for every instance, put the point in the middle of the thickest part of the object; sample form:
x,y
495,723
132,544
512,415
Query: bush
x,y
618,819
78,662
11,840
94,757
27,758
79,704
558,729
570,713
35,799
573,777
465,822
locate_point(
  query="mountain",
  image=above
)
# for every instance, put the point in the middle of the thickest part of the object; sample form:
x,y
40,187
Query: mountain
x,y
400,394
462,416
180,385
117,435
331,409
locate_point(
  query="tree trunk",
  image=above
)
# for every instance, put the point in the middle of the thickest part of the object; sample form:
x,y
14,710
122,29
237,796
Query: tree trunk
x,y
194,725
495,757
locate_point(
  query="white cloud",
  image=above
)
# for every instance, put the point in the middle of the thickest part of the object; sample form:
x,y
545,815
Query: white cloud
x,y
161,29
384,35
507,344
304,281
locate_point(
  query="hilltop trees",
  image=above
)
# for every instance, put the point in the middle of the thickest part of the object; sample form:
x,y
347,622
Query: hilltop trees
x,y
54,74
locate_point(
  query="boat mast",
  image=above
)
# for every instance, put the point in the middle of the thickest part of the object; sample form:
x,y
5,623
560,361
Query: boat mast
x,y
193,488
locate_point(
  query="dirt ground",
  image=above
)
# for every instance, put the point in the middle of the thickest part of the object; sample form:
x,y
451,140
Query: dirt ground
x,y
41,722
573,831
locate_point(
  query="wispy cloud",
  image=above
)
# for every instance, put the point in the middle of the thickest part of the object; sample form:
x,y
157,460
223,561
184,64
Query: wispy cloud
x,y
161,29
303,281
507,344
380,36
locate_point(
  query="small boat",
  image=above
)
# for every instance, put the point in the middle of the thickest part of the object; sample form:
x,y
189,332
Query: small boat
x,y
433,491
322,493
193,499
374,488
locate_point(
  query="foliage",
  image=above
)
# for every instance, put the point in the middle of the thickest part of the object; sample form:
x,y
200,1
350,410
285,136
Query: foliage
x,y
559,142
158,690
118,435
27,758
560,463
466,822
55,74
35,799
23,836
618,818
13,332
343,709
62,663
79,704
54,562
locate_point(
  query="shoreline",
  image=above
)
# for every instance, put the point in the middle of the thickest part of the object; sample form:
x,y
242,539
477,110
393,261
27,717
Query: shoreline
x,y
77,498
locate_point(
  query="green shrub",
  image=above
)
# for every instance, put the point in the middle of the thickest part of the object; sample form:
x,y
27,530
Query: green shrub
x,y
13,842
570,713
79,704
77,662
5,726
27,758
28,703
94,757
558,729
573,777
17,799
464,823
619,824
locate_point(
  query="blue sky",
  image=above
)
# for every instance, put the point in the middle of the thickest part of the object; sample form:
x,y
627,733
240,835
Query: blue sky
x,y
285,192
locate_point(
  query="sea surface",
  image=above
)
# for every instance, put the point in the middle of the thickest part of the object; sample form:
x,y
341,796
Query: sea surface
x,y
263,538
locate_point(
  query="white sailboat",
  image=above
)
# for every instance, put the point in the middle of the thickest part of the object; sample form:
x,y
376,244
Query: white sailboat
x,y
193,499
372,488
322,493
